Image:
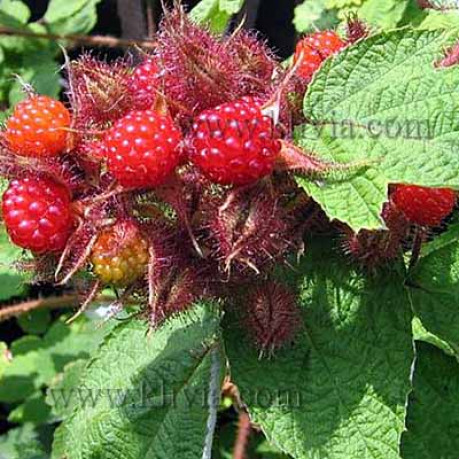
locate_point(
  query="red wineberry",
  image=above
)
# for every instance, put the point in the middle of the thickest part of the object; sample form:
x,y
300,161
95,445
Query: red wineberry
x,y
143,84
38,127
37,214
314,49
424,205
142,149
234,143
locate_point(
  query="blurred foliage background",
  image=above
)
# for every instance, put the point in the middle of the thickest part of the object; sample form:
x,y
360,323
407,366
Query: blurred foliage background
x,y
38,350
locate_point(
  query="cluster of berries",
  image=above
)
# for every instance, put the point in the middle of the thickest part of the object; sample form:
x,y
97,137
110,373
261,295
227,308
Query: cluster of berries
x,y
177,191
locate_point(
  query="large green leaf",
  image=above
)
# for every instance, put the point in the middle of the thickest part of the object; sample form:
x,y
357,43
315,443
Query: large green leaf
x,y
341,391
382,102
432,415
434,285
147,396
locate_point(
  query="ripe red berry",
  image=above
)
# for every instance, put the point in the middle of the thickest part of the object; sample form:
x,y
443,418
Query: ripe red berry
x,y
37,214
424,205
120,255
313,49
234,143
143,84
142,149
38,127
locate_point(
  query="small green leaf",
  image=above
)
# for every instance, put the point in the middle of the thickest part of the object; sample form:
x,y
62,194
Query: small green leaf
x,y
11,280
341,390
26,441
35,361
441,20
365,106
208,12
34,410
230,6
141,393
384,14
78,17
432,414
422,335
433,285
16,10
35,322
311,15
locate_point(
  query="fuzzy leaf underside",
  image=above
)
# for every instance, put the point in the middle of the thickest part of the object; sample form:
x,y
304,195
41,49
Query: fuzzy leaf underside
x,y
434,285
132,380
432,418
340,391
382,102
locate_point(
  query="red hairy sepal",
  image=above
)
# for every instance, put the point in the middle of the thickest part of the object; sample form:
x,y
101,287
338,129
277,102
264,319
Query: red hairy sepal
x,y
451,57
173,280
212,70
356,29
271,317
98,91
293,158
371,249
249,229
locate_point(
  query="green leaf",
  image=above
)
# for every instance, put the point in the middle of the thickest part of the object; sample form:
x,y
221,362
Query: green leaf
x,y
441,20
62,386
35,322
34,410
311,15
434,284
76,17
340,4
384,14
231,6
16,10
3,357
36,361
432,415
208,12
422,335
146,396
11,280
25,442
382,102
341,390
24,374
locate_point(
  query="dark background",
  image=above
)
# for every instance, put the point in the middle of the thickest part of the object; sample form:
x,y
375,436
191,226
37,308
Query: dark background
x,y
272,18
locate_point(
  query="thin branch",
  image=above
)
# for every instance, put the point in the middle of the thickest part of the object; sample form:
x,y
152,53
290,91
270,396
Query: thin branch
x,y
89,40
242,437
53,302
